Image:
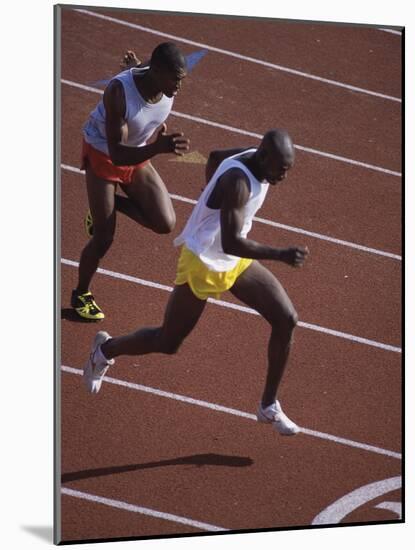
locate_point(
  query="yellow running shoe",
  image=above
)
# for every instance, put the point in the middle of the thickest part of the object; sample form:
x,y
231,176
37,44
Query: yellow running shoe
x,y
89,224
86,307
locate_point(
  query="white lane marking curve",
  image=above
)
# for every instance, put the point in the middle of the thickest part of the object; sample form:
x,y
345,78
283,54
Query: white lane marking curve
x,y
334,513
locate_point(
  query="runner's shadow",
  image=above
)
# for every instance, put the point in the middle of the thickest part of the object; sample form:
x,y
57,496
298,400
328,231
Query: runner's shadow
x,y
196,460
70,315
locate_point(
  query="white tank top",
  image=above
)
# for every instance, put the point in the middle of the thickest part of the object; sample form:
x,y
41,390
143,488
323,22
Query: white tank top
x,y
202,232
142,118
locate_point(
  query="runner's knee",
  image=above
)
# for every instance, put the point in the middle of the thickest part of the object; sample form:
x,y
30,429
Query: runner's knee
x,y
166,224
170,347
168,344
287,322
292,319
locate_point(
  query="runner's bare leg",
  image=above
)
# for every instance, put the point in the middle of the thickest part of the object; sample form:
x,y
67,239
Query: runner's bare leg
x,y
259,289
148,201
181,316
101,197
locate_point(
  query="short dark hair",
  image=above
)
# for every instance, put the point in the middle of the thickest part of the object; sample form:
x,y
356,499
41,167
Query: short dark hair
x,y
168,56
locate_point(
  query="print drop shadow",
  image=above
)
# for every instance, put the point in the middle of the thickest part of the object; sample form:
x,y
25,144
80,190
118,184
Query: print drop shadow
x,y
43,532
210,459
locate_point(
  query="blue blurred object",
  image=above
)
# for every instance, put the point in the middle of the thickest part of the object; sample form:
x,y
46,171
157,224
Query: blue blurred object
x,y
191,60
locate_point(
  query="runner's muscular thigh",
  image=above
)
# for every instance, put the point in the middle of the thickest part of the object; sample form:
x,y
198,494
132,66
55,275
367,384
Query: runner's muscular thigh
x,y
259,289
101,197
149,191
101,192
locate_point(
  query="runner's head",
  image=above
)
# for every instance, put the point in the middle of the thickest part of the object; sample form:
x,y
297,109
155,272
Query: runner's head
x,y
275,155
168,66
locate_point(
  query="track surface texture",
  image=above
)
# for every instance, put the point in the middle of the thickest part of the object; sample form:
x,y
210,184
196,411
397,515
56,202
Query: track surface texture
x,y
170,445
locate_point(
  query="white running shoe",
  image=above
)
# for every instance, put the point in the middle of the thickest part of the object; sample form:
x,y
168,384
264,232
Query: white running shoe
x,y
95,370
274,415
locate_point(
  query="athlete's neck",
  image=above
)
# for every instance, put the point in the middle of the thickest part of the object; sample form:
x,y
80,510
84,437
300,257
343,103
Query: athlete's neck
x,y
252,163
147,87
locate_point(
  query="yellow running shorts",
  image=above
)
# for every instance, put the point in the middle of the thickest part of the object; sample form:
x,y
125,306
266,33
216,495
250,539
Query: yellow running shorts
x,y
203,282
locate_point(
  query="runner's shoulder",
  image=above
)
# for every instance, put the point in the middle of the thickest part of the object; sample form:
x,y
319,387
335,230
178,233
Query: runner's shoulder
x,y
114,96
235,186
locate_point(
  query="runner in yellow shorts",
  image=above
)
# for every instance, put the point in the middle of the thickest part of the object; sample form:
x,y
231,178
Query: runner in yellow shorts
x,y
216,255
203,282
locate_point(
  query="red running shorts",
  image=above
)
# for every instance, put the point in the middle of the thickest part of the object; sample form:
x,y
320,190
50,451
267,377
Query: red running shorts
x,y
104,168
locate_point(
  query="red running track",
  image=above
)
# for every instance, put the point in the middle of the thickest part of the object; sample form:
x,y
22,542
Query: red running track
x,y
137,463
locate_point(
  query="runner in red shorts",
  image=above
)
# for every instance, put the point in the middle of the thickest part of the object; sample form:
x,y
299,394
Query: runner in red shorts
x,y
116,151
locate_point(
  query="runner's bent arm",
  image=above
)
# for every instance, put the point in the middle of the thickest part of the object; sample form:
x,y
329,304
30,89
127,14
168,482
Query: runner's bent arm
x,y
117,133
235,195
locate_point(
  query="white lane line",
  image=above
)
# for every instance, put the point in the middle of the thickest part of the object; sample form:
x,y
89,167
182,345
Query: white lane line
x,y
340,242
351,443
253,134
141,510
230,305
282,226
299,147
234,412
239,56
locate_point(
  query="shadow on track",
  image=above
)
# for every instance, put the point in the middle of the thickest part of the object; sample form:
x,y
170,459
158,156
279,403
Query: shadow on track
x,y
69,314
196,460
